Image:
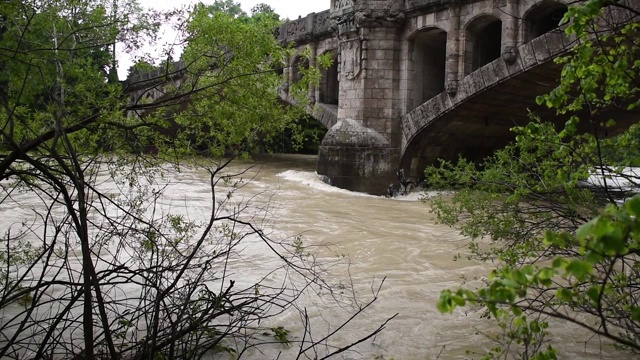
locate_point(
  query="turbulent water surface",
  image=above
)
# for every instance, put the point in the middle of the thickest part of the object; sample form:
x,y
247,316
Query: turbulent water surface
x,y
399,240
376,238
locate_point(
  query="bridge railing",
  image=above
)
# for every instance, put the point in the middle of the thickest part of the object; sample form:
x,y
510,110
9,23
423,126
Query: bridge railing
x,y
303,29
140,80
416,4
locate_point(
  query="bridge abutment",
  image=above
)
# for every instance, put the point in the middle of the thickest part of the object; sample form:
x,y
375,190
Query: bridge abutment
x,y
362,151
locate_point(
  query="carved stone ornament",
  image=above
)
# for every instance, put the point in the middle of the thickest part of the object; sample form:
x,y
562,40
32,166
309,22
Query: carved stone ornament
x,y
452,87
379,18
321,22
342,4
351,58
510,54
343,24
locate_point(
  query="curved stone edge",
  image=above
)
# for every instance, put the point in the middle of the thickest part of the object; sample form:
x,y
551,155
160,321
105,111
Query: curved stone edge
x,y
534,53
326,114
348,132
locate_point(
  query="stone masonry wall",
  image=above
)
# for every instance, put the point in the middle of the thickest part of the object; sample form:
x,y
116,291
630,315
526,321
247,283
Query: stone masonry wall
x,y
381,94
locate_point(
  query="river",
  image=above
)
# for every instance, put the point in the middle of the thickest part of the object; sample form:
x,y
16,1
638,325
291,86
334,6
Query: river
x,y
399,240
374,238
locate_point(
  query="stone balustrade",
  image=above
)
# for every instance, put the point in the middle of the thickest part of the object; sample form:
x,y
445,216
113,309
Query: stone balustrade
x,y
306,28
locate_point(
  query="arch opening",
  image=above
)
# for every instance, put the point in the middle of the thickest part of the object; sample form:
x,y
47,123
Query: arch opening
x,y
304,136
329,82
298,63
543,18
483,42
428,55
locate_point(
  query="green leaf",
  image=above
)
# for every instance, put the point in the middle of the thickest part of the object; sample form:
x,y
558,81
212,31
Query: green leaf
x,y
593,294
633,206
635,313
516,310
579,269
546,274
560,263
563,294
445,303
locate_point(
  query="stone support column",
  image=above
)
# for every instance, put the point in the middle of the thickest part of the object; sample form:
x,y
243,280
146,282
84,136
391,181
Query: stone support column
x,y
361,152
313,89
288,73
510,32
454,53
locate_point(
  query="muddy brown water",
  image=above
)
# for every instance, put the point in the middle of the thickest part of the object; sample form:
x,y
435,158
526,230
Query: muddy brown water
x,y
374,238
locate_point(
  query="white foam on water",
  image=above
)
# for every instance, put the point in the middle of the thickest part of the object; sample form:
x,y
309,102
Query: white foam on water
x,y
414,195
313,180
622,180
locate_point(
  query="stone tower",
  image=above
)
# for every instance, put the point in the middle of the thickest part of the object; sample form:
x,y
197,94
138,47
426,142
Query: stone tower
x,y
361,151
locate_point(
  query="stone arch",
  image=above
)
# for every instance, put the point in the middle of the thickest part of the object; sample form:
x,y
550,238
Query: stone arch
x,y
328,89
483,41
298,62
542,18
427,54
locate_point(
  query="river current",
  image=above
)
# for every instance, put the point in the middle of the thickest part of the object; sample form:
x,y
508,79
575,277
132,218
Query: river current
x,y
399,240
374,238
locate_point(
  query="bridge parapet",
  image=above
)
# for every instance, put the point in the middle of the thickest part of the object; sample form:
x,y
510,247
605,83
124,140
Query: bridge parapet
x,y
410,5
303,30
159,75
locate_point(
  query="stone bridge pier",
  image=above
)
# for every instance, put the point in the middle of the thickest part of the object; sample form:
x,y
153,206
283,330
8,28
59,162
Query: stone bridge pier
x,y
362,151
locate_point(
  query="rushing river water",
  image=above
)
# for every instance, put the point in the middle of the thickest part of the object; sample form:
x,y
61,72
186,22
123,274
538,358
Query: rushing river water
x,y
395,239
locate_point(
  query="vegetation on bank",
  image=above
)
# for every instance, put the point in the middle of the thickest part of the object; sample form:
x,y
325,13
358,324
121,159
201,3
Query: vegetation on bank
x,y
564,236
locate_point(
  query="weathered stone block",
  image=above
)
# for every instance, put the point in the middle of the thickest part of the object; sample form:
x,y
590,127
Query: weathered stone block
x,y
442,15
387,44
391,55
500,70
376,73
540,49
445,101
555,42
469,85
488,74
377,94
386,64
527,56
370,103
382,84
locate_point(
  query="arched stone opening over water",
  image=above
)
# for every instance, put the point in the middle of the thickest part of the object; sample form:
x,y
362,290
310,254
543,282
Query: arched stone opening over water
x,y
483,41
428,49
298,63
328,93
543,18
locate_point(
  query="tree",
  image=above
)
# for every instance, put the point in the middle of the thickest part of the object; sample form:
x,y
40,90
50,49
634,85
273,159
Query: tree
x,y
228,7
74,150
562,228
140,67
264,10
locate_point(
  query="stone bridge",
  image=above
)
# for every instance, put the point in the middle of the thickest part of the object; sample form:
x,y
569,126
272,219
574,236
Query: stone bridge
x,y
418,80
